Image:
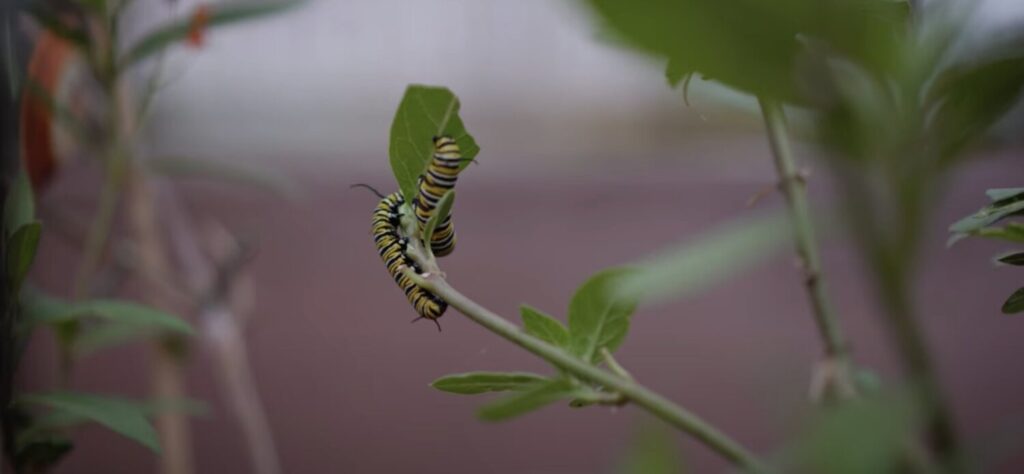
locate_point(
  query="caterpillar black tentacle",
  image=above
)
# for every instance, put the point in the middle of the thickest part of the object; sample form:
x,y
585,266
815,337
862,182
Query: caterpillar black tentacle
x,y
367,186
393,247
440,176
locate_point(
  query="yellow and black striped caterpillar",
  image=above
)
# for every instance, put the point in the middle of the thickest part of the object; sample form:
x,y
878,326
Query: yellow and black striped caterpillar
x,y
440,176
392,248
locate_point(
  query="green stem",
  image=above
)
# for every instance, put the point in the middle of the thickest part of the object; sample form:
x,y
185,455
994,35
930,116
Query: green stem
x,y
638,394
795,190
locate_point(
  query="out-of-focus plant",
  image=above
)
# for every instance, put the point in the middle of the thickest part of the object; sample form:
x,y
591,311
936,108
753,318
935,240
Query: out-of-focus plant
x,y
106,128
1007,203
894,108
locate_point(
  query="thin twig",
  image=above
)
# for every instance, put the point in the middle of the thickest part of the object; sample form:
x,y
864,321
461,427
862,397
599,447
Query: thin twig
x,y
795,190
636,393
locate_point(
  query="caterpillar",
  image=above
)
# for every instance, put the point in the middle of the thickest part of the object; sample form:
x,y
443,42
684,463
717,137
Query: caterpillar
x,y
440,176
392,249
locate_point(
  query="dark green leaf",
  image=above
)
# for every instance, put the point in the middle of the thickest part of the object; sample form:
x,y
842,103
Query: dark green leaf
x,y
424,113
42,309
21,252
859,436
121,416
1013,259
524,402
19,207
653,451
713,257
52,21
218,14
39,451
1015,303
245,174
444,207
599,314
544,327
473,383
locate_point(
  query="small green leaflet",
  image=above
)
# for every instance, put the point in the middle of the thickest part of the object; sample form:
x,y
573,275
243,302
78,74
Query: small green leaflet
x,y
1015,303
521,403
544,327
473,383
599,314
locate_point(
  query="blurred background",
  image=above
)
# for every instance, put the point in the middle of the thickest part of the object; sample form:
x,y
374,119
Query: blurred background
x,y
587,160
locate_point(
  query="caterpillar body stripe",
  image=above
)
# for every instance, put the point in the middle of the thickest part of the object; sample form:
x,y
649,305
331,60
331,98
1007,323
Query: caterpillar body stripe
x,y
391,246
441,174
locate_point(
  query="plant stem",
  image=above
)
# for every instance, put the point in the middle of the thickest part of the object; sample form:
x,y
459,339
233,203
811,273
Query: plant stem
x,y
795,190
638,394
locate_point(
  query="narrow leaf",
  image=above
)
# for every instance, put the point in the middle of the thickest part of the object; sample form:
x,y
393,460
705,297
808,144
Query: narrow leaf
x,y
988,215
527,401
599,314
473,383
1013,259
425,112
19,207
544,327
1002,195
218,14
444,207
120,416
1013,232
92,340
711,258
1015,303
21,252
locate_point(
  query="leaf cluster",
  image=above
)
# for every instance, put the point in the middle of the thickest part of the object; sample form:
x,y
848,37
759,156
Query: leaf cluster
x,y
1007,203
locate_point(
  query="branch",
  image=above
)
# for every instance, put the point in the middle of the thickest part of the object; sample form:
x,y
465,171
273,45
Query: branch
x,y
795,190
638,394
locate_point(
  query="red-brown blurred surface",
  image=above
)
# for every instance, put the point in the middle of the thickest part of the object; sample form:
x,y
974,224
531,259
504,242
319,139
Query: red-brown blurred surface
x,y
344,375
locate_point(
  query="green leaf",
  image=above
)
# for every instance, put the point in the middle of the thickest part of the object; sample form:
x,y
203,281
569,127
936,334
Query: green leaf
x,y
1015,303
21,252
39,451
245,174
424,113
119,415
711,258
859,436
1001,195
988,215
444,207
524,402
752,45
473,383
1016,258
1013,232
19,207
653,450
599,314
42,309
219,14
104,336
544,327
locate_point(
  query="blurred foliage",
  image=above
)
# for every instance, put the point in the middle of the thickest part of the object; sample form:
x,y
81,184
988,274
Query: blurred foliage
x,y
121,416
1007,203
214,15
653,450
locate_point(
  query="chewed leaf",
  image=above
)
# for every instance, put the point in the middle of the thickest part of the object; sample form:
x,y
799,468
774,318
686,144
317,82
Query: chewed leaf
x,y
473,383
424,113
599,314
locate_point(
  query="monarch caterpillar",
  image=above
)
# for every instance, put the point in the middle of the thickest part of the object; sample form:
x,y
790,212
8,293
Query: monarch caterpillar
x,y
442,171
392,249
